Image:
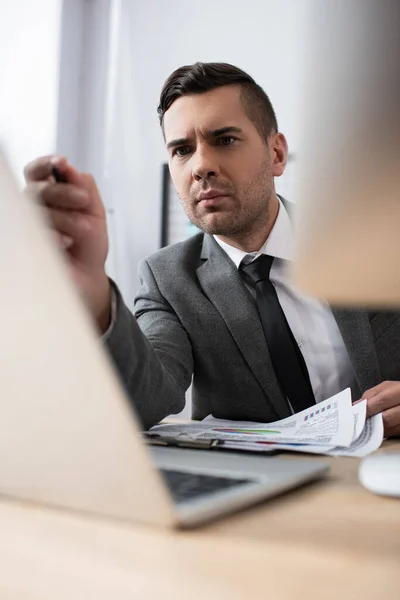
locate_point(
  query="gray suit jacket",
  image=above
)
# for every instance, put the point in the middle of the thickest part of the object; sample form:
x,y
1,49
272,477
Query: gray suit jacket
x,y
195,317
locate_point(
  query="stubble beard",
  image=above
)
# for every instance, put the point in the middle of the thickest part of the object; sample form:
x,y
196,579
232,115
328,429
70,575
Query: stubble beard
x,y
250,207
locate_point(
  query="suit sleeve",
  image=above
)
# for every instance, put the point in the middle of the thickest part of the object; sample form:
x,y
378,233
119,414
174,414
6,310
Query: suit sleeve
x,y
151,351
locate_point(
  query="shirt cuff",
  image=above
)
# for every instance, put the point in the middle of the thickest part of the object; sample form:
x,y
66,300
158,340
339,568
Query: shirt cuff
x,y
107,334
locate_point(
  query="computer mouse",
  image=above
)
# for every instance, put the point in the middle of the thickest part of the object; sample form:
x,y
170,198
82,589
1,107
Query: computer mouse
x,y
380,473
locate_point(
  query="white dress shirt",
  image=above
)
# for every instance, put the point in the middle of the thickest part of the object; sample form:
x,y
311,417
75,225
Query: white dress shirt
x,y
311,321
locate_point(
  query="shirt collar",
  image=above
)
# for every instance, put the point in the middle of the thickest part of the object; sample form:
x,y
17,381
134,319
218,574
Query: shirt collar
x,y
278,244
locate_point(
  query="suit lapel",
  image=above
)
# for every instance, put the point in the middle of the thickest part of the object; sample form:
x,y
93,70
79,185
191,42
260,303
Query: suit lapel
x,y
221,282
357,335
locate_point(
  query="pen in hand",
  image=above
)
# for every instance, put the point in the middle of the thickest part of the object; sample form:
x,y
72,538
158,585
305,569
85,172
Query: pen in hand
x,y
58,177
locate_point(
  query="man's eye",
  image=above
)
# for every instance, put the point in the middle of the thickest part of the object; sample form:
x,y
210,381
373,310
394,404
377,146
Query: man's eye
x,y
227,140
181,151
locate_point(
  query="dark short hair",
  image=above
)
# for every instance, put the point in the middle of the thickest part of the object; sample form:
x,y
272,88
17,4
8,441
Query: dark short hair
x,y
204,77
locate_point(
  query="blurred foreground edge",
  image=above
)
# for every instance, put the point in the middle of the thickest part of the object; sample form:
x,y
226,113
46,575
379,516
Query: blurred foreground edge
x,y
348,218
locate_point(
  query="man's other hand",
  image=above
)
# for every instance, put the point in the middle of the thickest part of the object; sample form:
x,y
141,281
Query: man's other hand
x,y
385,398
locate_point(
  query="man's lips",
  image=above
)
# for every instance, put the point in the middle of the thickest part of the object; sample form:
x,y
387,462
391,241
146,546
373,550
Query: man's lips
x,y
213,201
211,197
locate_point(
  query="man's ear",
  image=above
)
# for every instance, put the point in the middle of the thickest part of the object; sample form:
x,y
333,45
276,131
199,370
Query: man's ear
x,y
279,153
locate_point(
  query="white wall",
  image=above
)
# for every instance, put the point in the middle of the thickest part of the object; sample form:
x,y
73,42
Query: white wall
x,y
263,37
29,70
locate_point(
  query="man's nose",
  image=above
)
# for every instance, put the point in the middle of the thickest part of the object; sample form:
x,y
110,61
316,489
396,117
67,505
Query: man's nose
x,y
205,164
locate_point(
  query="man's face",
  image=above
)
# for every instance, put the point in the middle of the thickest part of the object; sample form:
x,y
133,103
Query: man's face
x,y
221,168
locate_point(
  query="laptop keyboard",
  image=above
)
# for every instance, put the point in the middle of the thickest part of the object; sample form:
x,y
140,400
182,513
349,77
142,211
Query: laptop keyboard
x,y
187,486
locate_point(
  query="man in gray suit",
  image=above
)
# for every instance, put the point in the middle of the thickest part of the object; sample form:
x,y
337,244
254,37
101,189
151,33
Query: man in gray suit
x,y
249,341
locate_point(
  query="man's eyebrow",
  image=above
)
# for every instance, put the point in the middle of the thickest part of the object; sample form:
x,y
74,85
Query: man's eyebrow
x,y
223,130
211,133
178,142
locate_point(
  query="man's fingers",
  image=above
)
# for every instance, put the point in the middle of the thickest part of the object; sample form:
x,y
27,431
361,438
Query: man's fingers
x,y
65,195
391,421
35,190
40,169
68,224
59,195
65,241
383,401
385,398
384,385
97,207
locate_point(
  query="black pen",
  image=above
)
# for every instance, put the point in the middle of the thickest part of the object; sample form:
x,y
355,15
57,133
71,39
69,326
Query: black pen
x,y
58,177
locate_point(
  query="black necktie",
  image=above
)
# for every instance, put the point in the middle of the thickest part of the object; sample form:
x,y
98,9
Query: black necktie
x,y
287,359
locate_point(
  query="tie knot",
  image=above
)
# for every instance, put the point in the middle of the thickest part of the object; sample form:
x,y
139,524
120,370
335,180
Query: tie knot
x,y
259,269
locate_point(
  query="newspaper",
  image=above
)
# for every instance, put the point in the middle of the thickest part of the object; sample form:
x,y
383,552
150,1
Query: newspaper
x,y
366,439
334,427
359,416
328,423
370,439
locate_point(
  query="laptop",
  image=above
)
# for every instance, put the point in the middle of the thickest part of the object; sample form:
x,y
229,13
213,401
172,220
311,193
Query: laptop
x,y
69,436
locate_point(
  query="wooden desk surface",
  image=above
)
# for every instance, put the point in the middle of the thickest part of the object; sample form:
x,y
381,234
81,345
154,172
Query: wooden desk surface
x,y
331,539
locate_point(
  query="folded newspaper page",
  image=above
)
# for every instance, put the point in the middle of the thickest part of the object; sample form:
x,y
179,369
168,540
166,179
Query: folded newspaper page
x,y
366,439
328,424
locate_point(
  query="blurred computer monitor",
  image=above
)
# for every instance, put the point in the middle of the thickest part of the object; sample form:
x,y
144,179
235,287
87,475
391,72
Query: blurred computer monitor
x,y
348,219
